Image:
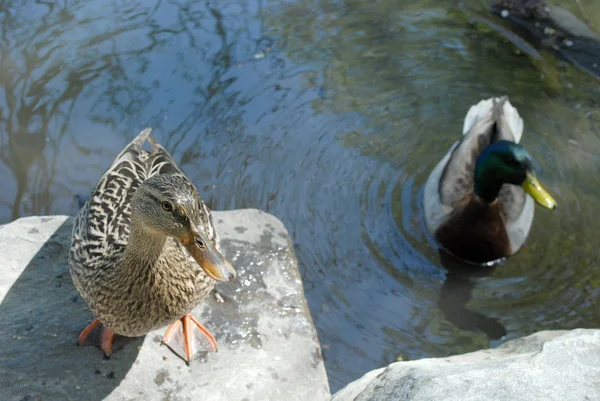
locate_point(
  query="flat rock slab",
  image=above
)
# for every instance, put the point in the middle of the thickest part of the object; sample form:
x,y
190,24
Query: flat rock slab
x,y
546,366
268,346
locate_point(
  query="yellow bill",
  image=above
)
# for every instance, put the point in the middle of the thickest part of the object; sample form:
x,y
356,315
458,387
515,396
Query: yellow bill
x,y
532,186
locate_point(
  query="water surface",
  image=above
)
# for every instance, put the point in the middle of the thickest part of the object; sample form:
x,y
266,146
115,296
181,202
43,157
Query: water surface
x,y
329,115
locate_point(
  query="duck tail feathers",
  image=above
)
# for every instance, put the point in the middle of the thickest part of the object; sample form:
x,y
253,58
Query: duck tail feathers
x,y
499,108
139,140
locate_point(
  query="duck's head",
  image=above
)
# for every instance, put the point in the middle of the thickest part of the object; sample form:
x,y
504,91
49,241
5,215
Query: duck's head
x,y
169,205
508,162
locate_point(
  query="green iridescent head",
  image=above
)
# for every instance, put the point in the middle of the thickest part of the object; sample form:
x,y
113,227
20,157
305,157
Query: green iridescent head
x,y
505,162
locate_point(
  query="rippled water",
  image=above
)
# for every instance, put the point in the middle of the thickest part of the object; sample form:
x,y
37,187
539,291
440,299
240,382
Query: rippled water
x,y
329,115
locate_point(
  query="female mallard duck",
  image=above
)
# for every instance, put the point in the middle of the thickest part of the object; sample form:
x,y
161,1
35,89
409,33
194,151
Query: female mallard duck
x,y
144,251
475,200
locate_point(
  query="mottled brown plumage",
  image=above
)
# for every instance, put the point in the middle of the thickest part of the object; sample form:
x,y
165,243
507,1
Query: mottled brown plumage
x,y
143,244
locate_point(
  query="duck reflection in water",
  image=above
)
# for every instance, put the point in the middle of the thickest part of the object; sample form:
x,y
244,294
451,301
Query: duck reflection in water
x,y
457,291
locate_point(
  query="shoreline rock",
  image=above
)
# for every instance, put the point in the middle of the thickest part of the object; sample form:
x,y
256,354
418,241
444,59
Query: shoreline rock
x,y
268,345
548,365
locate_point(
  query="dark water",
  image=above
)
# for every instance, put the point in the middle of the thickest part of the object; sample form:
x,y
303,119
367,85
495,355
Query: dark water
x,y
329,115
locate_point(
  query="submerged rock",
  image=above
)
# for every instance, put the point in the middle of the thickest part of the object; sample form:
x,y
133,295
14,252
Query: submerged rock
x,y
268,346
548,365
553,27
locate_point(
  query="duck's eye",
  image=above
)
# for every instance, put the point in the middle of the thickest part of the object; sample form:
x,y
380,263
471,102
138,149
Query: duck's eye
x,y
200,243
167,206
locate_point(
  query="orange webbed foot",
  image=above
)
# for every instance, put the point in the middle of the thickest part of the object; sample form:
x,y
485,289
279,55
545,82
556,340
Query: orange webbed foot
x,y
186,336
106,337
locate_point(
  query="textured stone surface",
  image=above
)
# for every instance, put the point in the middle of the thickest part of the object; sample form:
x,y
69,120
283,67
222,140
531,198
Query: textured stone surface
x,y
548,365
268,348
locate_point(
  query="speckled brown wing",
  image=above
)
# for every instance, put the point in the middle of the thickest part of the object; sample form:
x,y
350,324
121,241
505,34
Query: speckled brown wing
x,y
101,228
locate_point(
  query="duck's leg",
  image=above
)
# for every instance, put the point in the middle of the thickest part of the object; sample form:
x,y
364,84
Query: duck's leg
x,y
187,336
106,337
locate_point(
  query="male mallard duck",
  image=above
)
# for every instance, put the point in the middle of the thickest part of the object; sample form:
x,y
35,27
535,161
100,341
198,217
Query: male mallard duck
x,y
144,251
475,200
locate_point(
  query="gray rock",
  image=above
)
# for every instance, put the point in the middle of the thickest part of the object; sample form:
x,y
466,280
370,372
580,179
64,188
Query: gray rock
x,y
268,347
549,365
572,25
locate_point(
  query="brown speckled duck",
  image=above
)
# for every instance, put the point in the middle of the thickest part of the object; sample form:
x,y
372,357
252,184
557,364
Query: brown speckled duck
x,y
144,251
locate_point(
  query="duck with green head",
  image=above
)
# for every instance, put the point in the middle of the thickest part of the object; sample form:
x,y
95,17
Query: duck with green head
x,y
479,199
